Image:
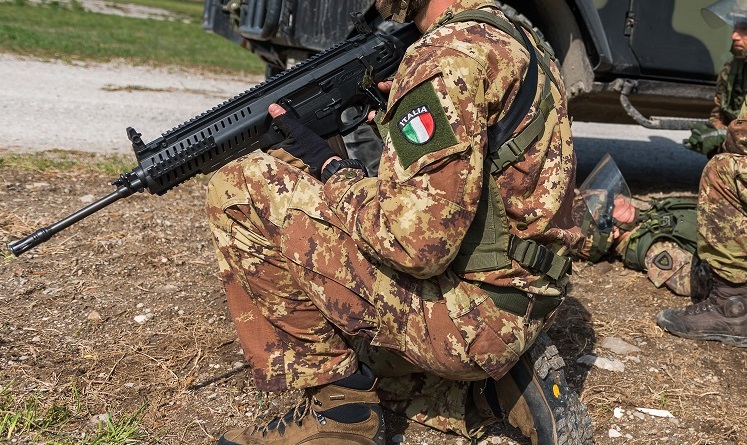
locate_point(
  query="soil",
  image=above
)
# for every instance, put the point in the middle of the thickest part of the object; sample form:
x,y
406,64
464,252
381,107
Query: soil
x,y
125,310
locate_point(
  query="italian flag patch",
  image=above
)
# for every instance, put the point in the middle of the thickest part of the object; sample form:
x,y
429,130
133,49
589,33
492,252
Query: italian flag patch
x,y
417,125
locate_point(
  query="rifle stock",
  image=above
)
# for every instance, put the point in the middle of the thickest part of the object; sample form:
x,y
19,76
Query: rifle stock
x,y
318,91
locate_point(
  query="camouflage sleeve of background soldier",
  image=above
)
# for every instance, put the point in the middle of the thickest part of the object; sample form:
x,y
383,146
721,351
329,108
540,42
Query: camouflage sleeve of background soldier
x,y
717,118
736,134
667,263
414,216
587,250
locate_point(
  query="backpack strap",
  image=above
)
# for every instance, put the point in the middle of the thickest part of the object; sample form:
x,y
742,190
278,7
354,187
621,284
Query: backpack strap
x,y
485,244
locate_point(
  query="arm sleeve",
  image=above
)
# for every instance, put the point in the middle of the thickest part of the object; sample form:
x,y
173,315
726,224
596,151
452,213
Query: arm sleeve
x,y
414,216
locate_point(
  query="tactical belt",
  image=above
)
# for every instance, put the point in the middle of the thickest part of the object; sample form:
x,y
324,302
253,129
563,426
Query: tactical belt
x,y
517,301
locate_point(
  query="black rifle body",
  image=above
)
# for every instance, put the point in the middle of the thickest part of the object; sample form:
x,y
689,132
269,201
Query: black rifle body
x,y
317,91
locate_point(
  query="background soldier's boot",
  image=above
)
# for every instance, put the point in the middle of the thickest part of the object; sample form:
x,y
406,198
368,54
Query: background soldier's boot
x,y
345,412
535,397
721,317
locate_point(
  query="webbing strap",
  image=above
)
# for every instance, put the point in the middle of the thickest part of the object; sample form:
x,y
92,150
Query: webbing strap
x,y
513,149
503,149
518,302
530,254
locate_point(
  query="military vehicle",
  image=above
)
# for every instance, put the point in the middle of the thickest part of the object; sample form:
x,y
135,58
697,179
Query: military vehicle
x,y
623,61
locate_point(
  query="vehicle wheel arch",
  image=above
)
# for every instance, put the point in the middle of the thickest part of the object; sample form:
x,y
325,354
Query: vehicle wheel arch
x,y
560,27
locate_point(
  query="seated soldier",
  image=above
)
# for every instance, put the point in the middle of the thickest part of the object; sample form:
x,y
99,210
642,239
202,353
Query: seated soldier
x,y
721,278
731,84
659,240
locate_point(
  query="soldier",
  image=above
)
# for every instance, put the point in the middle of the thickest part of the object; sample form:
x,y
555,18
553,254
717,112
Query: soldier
x,y
722,248
659,239
420,290
731,84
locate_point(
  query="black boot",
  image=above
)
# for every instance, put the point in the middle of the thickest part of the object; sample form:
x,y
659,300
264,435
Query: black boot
x,y
720,317
534,396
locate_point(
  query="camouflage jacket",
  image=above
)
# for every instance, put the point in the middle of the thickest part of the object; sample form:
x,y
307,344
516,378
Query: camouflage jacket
x,y
731,86
736,135
452,84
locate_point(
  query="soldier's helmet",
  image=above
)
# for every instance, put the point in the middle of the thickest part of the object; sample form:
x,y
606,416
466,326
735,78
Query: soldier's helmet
x,y
728,12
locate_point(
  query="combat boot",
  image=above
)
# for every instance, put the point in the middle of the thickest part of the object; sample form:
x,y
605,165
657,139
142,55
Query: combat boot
x,y
534,397
345,412
720,317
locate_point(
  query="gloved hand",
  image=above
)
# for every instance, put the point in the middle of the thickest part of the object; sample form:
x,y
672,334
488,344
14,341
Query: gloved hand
x,y
300,144
705,138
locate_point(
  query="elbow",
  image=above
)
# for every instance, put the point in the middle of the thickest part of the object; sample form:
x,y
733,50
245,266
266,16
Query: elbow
x,y
429,263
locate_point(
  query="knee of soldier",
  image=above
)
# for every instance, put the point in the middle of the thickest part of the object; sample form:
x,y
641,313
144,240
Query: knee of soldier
x,y
720,170
229,185
721,164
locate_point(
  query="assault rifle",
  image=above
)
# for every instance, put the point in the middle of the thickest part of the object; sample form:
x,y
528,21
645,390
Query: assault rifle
x,y
318,91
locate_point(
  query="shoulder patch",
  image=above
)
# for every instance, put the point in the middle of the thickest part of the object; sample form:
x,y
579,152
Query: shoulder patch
x,y
664,261
419,125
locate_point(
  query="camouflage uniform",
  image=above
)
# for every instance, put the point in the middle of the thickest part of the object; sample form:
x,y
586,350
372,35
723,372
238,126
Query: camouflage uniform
x,y
731,86
722,217
318,276
666,262
722,206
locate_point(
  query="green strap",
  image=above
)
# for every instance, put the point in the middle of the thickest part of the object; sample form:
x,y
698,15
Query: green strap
x,y
518,302
488,253
530,254
479,15
514,148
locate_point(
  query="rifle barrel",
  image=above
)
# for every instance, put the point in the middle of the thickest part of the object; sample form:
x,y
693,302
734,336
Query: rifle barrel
x,y
45,233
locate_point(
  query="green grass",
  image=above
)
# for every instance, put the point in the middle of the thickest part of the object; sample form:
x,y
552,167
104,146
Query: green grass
x,y
69,161
71,33
188,8
28,418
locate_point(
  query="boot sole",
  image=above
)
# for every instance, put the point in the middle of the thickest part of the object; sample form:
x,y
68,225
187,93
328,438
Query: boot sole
x,y
665,323
740,342
570,423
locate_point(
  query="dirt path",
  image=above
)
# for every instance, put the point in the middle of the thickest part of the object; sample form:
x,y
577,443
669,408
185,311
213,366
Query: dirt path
x,y
87,106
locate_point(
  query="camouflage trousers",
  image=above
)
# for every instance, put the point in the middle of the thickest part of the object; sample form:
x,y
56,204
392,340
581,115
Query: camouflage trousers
x,y
308,305
722,216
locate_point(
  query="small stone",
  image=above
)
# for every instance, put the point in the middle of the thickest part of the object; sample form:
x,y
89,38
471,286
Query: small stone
x,y
619,346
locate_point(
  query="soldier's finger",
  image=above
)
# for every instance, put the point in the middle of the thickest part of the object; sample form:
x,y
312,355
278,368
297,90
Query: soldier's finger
x,y
275,110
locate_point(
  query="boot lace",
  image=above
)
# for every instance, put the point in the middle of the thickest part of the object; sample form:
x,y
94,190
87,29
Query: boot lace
x,y
295,415
700,308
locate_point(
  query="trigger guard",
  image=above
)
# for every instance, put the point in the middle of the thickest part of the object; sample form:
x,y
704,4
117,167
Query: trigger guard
x,y
345,129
